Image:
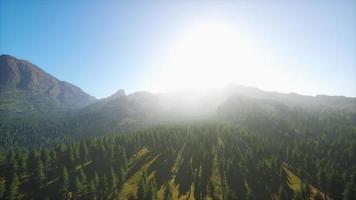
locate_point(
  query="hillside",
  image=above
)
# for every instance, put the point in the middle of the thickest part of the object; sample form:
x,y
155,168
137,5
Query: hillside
x,y
25,88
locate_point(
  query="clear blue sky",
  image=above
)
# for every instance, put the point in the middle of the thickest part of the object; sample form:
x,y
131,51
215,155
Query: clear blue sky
x,y
102,46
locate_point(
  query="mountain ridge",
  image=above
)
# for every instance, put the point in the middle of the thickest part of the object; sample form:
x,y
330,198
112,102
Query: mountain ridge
x,y
52,102
25,87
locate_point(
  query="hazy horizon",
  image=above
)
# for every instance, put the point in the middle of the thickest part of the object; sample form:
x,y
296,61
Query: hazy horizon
x,y
304,47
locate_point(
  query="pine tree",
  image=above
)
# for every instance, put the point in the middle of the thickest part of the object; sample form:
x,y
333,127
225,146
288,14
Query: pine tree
x,y
249,194
149,193
96,178
83,181
2,189
39,174
141,190
131,197
92,190
298,196
82,176
69,158
32,160
318,196
113,179
13,186
230,194
154,188
120,176
63,183
211,189
305,190
349,192
197,191
167,192
77,188
104,185
12,169
46,158
283,195
83,152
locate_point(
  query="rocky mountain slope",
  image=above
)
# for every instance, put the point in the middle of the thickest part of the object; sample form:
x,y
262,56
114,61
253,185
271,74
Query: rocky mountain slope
x,y
25,88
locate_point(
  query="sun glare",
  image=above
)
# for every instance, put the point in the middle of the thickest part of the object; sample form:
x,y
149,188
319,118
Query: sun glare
x,y
211,55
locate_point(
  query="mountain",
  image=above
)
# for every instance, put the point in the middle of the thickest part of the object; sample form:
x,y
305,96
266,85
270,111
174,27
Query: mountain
x,y
25,88
236,104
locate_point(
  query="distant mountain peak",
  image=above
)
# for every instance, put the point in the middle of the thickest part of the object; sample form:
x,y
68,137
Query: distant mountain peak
x,y
118,94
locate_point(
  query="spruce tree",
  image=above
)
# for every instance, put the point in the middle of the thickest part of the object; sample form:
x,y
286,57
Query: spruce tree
x,y
141,190
82,176
2,189
113,179
283,195
211,189
39,174
305,190
64,183
349,192
92,189
167,192
250,195
13,187
298,196
77,188
318,196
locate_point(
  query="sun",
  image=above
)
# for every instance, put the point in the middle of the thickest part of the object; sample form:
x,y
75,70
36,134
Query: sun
x,y
210,55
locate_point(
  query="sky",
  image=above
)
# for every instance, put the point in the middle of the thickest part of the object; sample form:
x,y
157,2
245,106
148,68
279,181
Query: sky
x,y
307,47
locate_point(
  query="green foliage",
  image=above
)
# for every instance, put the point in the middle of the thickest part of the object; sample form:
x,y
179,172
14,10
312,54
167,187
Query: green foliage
x,y
2,189
212,159
350,192
13,187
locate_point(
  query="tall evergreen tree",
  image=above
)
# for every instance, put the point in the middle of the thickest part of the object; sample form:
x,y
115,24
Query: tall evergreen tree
x,y
250,195
39,174
13,187
92,190
283,195
77,189
167,192
113,179
318,196
141,192
64,184
305,190
350,192
2,189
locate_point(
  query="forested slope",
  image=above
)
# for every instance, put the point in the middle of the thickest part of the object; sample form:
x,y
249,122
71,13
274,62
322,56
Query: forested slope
x,y
194,161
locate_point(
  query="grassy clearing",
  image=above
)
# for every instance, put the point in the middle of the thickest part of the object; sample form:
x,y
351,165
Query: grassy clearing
x,y
294,183
131,185
175,192
216,177
175,187
140,154
178,161
83,165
